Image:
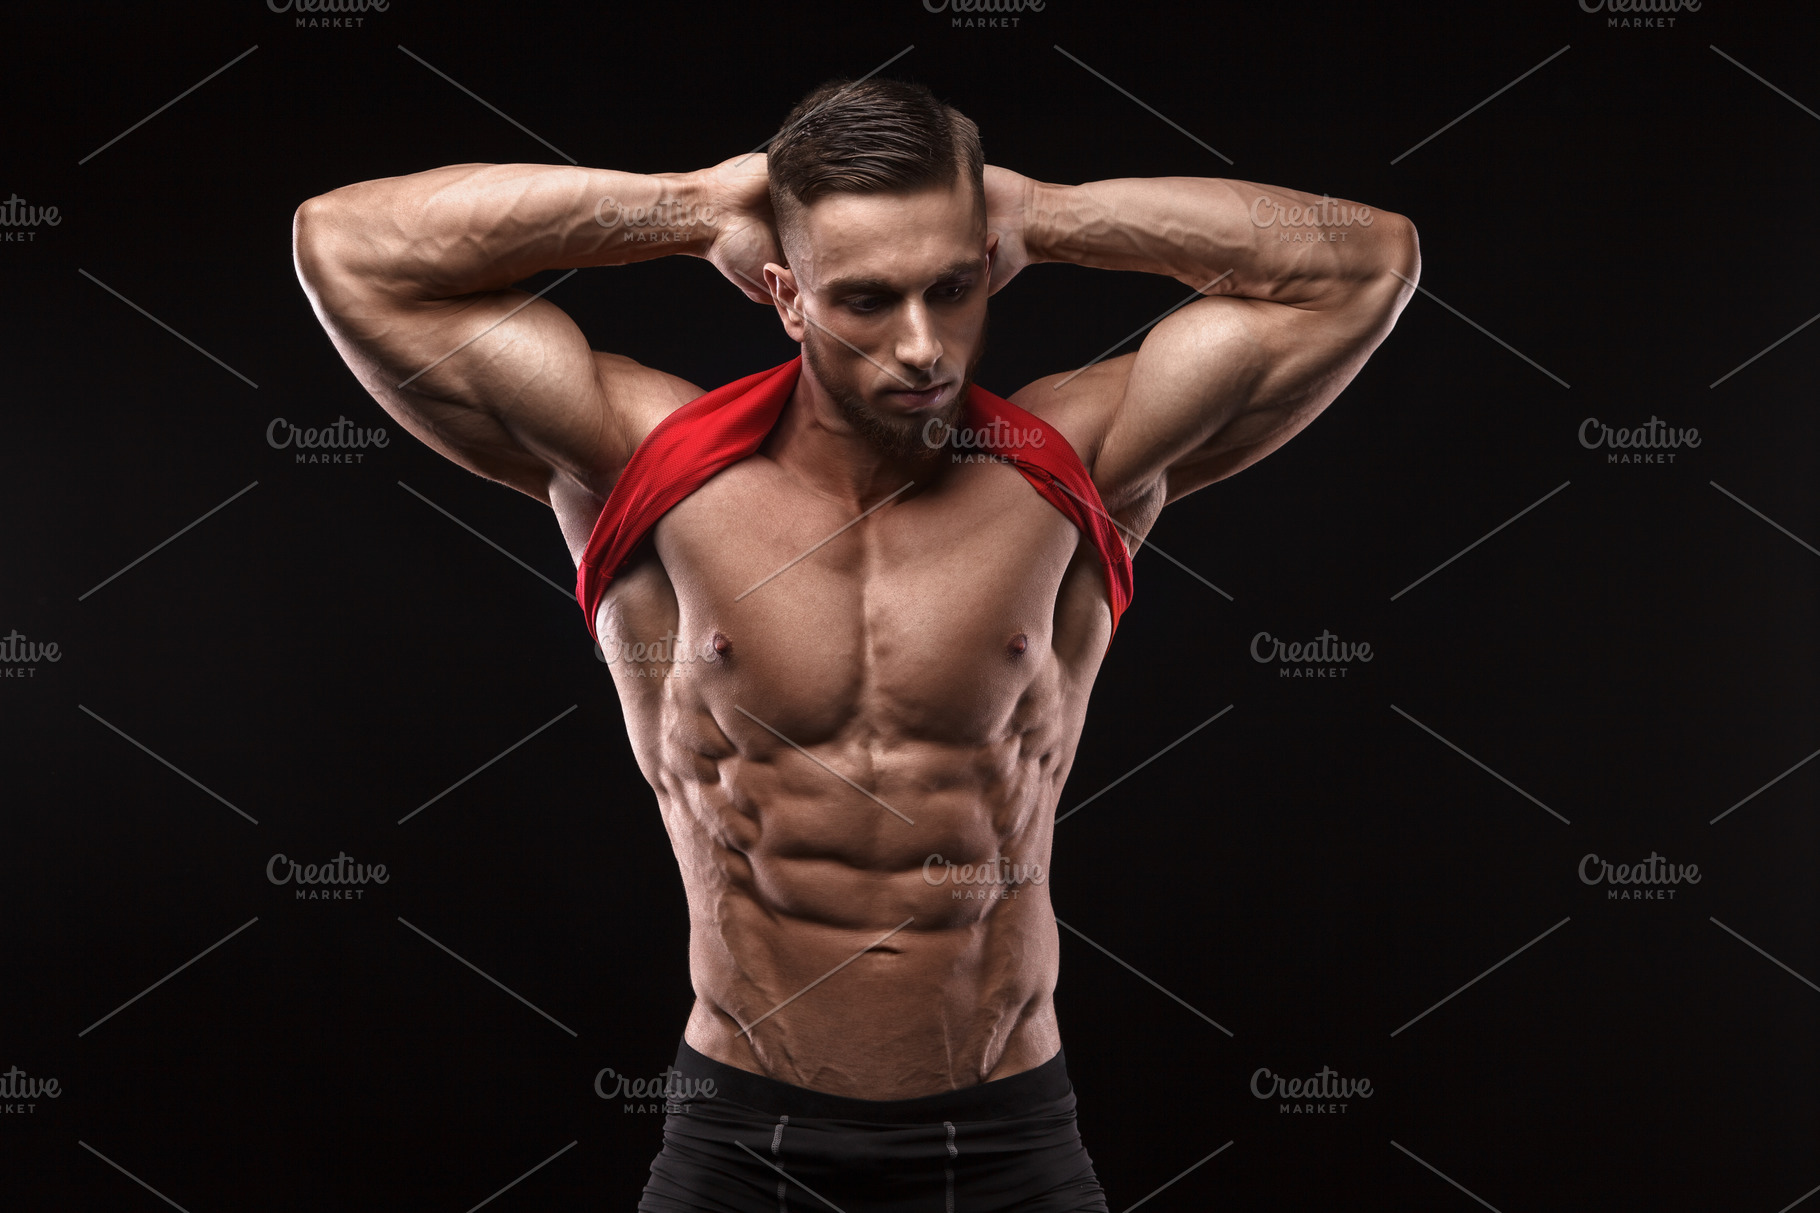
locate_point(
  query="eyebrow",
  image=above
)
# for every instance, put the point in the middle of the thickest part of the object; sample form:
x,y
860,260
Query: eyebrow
x,y
878,286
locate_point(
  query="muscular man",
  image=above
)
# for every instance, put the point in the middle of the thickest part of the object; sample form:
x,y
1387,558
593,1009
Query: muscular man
x,y
851,653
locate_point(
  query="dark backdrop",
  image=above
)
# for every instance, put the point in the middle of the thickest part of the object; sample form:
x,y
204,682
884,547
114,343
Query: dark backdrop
x,y
1324,863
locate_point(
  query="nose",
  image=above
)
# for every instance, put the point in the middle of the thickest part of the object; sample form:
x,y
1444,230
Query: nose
x,y
918,346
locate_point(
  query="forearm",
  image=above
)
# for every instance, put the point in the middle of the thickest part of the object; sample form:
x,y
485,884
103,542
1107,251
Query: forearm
x,y
453,231
1281,245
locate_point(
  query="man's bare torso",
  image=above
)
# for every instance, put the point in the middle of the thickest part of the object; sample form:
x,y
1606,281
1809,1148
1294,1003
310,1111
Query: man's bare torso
x,y
913,688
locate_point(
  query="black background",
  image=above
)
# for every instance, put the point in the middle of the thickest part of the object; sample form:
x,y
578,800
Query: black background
x,y
1312,870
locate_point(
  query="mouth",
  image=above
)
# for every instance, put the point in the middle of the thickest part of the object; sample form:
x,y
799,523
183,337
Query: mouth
x,y
925,398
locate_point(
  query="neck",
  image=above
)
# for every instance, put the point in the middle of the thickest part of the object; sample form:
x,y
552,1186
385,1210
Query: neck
x,y
814,441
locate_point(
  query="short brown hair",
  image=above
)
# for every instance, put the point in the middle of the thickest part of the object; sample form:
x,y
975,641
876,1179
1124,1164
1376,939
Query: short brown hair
x,y
871,136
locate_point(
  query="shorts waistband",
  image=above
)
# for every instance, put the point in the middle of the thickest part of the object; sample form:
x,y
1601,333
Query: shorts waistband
x,y
1001,1098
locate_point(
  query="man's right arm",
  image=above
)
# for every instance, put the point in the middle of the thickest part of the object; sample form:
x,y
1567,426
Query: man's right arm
x,y
411,276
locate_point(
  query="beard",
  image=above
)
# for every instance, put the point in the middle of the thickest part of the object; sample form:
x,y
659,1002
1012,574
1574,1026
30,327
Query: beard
x,y
896,436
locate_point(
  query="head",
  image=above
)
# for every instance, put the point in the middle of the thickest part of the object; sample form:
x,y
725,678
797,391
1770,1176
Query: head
x,y
879,197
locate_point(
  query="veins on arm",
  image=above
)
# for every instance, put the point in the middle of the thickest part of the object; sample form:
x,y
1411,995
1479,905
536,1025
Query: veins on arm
x,y
1227,379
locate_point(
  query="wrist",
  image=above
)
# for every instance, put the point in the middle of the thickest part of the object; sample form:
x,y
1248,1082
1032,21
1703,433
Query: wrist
x,y
1044,207
693,197
670,212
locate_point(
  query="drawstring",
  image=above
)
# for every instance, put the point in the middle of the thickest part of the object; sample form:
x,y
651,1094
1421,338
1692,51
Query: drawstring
x,y
952,1155
783,1187
777,1142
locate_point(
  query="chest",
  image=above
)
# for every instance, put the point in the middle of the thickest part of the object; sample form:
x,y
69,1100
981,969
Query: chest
x,y
934,616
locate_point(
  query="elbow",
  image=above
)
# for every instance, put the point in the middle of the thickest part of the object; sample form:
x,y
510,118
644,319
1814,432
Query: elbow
x,y
311,228
333,251
1402,249
311,219
1386,278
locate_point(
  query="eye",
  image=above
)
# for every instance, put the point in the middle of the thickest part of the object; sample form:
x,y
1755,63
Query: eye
x,y
863,304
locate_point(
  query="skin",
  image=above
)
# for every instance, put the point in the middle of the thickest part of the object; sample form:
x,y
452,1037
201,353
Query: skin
x,y
916,685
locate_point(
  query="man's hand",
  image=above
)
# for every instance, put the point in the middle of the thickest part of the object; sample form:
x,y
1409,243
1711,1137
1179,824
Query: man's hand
x,y
738,191
745,231
1009,198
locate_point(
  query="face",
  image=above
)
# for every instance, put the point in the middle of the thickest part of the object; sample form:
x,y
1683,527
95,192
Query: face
x,y
887,294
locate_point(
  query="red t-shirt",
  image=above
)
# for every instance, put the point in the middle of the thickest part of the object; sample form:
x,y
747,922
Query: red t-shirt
x,y
718,429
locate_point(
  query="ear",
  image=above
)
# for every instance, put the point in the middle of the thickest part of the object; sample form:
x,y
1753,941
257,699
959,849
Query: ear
x,y
781,282
999,269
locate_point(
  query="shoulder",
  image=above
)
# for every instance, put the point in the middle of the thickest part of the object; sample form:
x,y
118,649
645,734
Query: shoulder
x,y
635,398
1079,403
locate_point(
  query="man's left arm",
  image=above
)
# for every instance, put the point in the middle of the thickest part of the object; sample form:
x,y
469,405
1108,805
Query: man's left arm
x,y
1300,290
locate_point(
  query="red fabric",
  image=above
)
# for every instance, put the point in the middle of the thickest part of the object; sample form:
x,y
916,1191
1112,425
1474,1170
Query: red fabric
x,y
718,429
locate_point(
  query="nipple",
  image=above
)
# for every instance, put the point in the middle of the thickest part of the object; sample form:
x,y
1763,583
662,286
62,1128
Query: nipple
x,y
1018,643
721,644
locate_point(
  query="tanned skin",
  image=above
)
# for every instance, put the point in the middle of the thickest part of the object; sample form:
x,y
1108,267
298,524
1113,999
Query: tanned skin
x,y
917,685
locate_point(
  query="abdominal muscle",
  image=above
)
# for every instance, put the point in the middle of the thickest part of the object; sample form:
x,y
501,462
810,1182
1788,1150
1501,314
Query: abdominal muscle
x,y
908,700
863,966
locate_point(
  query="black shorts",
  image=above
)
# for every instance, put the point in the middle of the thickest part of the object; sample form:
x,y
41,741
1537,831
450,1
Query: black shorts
x,y
757,1145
